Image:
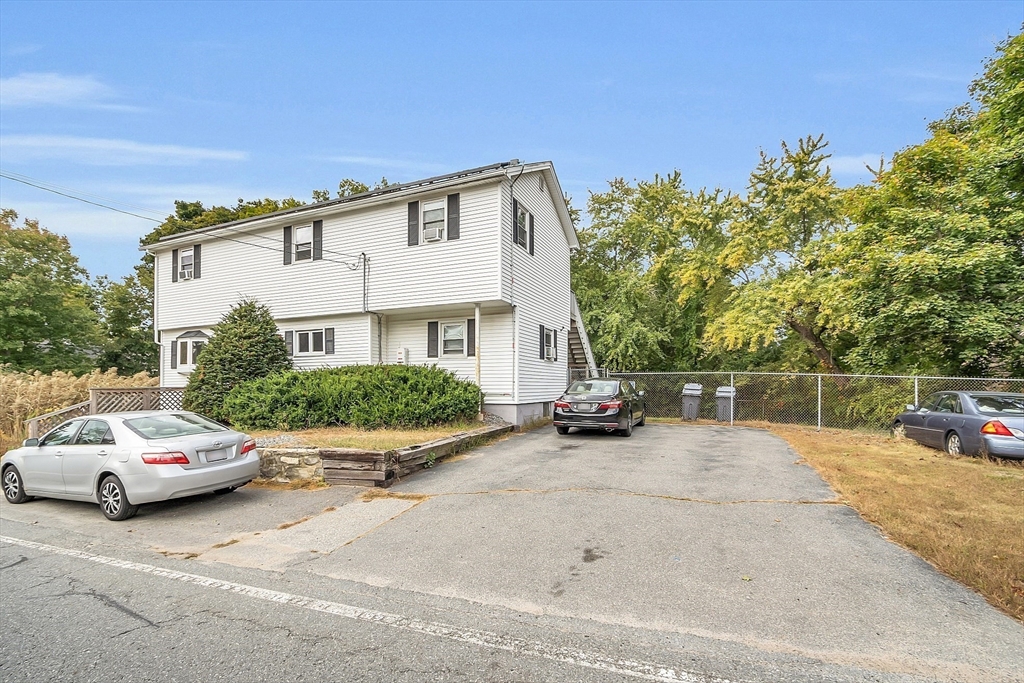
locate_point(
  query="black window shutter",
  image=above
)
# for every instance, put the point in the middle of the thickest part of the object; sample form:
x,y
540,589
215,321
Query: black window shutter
x,y
287,244
542,340
174,268
471,337
174,345
328,340
318,240
197,261
515,221
289,342
432,340
453,216
414,223
531,234
554,340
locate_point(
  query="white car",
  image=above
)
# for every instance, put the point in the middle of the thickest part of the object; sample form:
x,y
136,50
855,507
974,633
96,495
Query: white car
x,y
121,460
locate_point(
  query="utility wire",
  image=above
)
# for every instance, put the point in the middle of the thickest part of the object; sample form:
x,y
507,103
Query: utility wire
x,y
26,180
70,196
83,193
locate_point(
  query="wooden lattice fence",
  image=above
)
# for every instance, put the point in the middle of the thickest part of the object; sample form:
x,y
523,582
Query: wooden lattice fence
x,y
110,401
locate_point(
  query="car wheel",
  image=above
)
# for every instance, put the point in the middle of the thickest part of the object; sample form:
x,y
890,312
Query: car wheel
x,y
628,431
643,418
899,431
954,445
14,489
114,501
562,430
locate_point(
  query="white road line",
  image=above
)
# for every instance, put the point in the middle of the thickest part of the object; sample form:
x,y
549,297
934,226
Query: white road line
x,y
590,660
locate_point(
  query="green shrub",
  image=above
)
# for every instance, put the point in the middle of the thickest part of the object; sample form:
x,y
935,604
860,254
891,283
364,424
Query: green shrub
x,y
366,396
245,345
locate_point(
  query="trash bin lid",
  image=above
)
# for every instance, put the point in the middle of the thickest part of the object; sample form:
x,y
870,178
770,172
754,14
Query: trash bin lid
x,y
725,392
692,389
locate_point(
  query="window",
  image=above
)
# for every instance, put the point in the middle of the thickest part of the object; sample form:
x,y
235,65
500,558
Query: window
x,y
311,341
549,344
522,227
185,263
304,243
95,433
931,402
185,350
61,435
173,425
433,221
183,353
999,404
453,336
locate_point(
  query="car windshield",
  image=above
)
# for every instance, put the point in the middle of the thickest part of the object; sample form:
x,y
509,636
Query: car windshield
x,y
999,404
171,425
594,386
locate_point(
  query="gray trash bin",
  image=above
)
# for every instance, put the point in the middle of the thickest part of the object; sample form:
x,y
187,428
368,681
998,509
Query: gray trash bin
x,y
691,401
725,396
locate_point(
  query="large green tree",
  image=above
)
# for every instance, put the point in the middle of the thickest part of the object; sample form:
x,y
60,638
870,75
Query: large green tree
x,y
126,312
46,317
935,268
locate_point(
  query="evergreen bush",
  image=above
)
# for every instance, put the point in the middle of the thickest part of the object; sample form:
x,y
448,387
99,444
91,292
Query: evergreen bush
x,y
365,396
245,346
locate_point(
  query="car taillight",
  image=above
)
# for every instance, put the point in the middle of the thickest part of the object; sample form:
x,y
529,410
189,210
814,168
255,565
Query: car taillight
x,y
249,445
561,404
995,427
611,405
172,458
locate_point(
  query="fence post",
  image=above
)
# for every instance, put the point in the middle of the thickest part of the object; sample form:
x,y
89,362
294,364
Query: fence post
x,y
94,401
732,397
916,400
33,429
819,402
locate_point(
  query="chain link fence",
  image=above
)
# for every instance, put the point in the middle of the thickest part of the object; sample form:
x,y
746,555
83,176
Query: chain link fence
x,y
837,401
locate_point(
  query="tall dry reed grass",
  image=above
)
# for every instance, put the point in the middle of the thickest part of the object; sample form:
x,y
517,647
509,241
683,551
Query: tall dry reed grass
x,y
27,394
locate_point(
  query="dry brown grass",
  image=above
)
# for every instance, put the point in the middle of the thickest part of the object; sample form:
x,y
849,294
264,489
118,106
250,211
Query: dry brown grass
x,y
27,394
964,515
297,485
371,439
377,493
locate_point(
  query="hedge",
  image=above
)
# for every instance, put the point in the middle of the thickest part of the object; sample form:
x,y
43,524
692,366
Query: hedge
x,y
366,396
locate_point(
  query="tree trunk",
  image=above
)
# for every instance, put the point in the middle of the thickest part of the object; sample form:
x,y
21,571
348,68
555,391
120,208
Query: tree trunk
x,y
817,346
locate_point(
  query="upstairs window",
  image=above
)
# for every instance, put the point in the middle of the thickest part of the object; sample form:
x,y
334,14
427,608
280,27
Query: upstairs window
x,y
522,226
433,221
185,263
304,243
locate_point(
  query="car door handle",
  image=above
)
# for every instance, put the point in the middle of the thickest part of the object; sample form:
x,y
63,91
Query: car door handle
x,y
103,453
58,453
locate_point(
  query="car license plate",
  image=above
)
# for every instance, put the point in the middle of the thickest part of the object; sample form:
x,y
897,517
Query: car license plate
x,y
214,456
584,407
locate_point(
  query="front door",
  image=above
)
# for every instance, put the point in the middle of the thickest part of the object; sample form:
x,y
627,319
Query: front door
x,y
84,458
43,465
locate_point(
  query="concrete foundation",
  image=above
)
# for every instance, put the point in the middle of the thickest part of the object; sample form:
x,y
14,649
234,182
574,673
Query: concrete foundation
x,y
520,414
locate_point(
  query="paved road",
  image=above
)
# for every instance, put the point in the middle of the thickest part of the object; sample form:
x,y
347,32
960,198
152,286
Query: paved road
x,y
682,554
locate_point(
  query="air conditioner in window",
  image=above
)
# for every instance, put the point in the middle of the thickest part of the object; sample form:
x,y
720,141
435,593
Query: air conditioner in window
x,y
185,274
433,234
403,357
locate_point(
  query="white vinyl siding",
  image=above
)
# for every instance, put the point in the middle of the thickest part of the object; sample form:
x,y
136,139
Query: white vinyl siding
x,y
457,271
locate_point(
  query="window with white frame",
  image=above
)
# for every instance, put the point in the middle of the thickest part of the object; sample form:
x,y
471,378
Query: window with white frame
x,y
550,351
186,351
185,264
433,221
453,339
522,227
304,243
310,341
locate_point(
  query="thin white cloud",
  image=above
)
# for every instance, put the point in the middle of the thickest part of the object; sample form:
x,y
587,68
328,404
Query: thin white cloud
x,y
52,89
854,165
108,152
19,49
383,162
77,220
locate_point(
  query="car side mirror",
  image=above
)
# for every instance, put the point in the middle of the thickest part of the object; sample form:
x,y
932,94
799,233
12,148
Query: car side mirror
x,y
30,442
911,407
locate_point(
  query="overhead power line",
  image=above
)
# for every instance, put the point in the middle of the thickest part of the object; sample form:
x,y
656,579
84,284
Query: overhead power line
x,y
49,187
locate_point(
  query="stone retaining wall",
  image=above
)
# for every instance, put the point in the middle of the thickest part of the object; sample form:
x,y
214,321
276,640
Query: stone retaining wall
x,y
359,467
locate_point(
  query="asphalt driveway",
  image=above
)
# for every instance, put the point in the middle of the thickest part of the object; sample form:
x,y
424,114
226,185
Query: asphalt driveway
x,y
712,548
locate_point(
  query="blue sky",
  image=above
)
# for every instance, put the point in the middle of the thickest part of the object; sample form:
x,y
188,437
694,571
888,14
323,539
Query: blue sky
x,y
146,103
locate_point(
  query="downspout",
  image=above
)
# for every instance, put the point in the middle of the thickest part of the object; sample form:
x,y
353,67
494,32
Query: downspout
x,y
512,292
476,353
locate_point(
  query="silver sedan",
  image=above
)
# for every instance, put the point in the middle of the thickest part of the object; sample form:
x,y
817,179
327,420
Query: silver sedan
x,y
121,460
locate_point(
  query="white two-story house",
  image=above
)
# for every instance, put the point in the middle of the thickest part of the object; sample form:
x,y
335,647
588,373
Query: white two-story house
x,y
468,271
